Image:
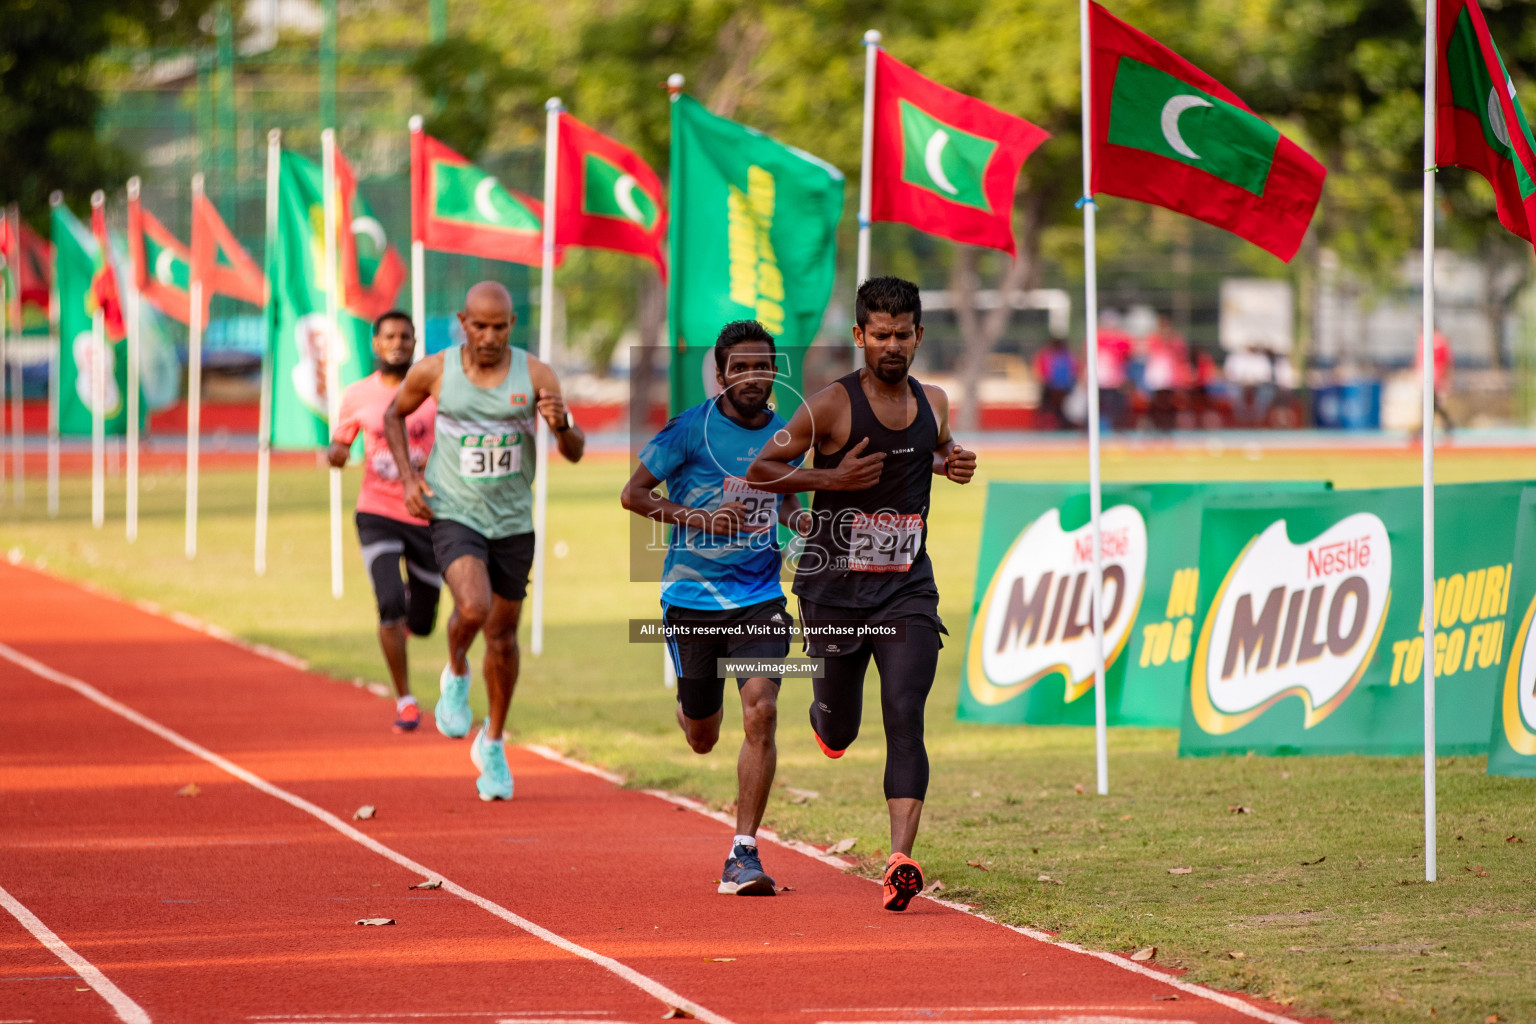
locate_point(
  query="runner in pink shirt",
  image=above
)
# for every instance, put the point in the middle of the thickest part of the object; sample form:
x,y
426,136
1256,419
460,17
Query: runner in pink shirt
x,y
387,532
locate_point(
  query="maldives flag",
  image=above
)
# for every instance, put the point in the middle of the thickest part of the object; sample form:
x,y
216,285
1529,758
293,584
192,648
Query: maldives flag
x,y
162,265
457,207
221,264
1166,133
371,268
944,162
104,294
28,261
1476,105
607,197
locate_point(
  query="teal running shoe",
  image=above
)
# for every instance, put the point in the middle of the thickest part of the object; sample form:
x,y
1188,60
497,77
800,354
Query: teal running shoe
x,y
452,712
495,781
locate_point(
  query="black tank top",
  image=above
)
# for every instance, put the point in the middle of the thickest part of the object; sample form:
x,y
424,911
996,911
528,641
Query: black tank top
x,y
869,546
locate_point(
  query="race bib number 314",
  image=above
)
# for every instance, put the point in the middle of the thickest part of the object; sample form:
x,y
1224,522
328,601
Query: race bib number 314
x,y
884,542
490,456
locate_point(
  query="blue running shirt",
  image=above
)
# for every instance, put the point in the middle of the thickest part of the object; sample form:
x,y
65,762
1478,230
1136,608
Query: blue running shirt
x,y
694,455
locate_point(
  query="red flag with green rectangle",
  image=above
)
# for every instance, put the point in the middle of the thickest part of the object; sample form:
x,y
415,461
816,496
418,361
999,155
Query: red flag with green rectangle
x,y
607,196
162,265
1166,133
1475,107
945,162
457,207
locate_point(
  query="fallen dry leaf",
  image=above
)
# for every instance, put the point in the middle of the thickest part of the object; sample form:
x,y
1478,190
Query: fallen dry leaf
x,y
720,959
1144,954
676,1012
1513,839
376,920
190,789
1048,878
1312,863
1479,871
1493,1018
1168,999
364,812
978,865
1238,809
935,886
801,796
431,883
1125,817
1181,871
975,793
1236,954
783,888
1079,789
843,845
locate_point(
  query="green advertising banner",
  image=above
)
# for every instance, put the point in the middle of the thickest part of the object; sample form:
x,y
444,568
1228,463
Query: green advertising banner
x,y
1311,640
77,261
1512,746
1029,656
300,332
753,237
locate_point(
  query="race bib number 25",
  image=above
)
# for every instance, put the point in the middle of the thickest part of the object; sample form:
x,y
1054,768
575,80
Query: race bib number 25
x,y
884,542
761,506
490,456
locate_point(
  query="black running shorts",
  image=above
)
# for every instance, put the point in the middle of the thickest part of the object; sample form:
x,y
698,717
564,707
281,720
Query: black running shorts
x,y
507,559
385,543
700,690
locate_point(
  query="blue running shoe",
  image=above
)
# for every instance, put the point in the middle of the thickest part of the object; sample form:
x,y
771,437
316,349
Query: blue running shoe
x,y
495,781
452,712
743,874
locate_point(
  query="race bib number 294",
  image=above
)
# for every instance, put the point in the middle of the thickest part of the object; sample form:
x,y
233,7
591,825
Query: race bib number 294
x,y
884,542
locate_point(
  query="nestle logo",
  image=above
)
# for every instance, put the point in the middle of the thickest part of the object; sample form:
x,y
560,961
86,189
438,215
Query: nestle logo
x,y
1113,543
1339,556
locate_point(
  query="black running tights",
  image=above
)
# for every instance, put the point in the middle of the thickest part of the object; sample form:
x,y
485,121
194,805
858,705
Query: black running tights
x,y
906,675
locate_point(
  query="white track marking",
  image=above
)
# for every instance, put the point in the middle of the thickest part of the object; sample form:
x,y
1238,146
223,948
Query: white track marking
x,y
89,692
1074,1019
127,1010
1233,1003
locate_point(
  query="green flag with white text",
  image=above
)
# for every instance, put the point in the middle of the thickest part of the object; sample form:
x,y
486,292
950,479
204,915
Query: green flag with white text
x,y
754,226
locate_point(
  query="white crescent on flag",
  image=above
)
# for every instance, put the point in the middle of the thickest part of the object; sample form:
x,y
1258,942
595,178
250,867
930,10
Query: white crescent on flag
x,y
933,163
1171,112
483,199
624,195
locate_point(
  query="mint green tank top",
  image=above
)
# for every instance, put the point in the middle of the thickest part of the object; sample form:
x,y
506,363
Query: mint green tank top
x,y
482,462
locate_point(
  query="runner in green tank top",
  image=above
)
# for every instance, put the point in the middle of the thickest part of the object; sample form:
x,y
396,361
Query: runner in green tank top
x,y
477,491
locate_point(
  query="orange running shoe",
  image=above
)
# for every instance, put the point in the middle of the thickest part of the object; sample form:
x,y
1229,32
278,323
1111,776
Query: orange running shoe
x,y
834,754
407,718
903,880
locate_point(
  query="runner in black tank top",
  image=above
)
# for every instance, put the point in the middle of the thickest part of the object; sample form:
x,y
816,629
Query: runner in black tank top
x,y
878,438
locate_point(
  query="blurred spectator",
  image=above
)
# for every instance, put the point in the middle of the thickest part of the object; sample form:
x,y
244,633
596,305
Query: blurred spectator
x,y
1283,404
1204,385
1252,374
1056,368
1444,366
1115,347
1167,371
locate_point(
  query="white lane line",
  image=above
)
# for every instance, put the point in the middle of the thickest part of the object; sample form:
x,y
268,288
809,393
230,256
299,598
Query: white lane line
x,y
1231,1002
1074,1019
128,1011
89,692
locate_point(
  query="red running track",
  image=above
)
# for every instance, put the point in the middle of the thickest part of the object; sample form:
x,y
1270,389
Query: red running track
x,y
576,902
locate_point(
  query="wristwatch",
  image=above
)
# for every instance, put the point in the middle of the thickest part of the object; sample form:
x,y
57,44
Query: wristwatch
x,y
567,425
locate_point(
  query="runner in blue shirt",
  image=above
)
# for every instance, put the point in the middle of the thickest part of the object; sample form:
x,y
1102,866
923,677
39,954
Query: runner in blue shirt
x,y
722,571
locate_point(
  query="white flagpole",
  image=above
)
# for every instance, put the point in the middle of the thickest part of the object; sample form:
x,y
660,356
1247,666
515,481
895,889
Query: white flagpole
x,y
1427,329
418,258
99,365
194,382
18,427
866,166
552,109
5,337
55,199
264,423
675,83
131,293
333,317
1091,360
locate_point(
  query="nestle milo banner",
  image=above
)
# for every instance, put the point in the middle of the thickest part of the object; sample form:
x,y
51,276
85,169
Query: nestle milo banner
x,y
1030,656
1512,747
1310,635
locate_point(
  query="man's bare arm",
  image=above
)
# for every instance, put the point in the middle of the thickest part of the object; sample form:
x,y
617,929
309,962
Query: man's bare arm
x,y
639,496
771,471
949,459
572,442
421,383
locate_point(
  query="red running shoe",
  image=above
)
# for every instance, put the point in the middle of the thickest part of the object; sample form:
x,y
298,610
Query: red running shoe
x,y
903,880
408,718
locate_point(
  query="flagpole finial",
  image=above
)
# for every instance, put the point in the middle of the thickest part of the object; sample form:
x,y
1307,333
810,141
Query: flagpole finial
x,y
197,184
274,136
98,199
675,85
872,37
415,123
553,104
56,198
133,187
